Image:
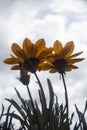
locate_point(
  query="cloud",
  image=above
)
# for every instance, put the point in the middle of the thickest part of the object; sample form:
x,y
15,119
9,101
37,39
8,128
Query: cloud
x,y
52,20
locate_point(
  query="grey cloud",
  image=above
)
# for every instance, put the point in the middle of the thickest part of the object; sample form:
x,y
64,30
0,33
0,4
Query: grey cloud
x,y
44,12
36,18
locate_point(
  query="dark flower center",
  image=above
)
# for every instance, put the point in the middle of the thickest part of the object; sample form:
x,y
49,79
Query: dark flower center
x,y
60,65
31,64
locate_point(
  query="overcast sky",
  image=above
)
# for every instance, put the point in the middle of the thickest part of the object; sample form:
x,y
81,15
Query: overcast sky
x,y
63,20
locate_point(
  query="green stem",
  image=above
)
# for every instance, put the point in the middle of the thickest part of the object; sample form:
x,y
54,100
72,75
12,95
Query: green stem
x,y
34,110
40,87
39,82
66,97
43,99
31,99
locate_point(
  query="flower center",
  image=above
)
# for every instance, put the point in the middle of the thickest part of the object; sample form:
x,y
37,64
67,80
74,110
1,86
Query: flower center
x,y
60,65
31,64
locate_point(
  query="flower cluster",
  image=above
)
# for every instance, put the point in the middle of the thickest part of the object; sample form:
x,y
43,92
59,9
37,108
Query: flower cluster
x,y
37,57
32,57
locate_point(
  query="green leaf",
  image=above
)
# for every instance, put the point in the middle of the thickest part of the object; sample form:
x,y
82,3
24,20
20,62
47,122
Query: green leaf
x,y
7,117
40,118
51,102
2,112
16,116
16,106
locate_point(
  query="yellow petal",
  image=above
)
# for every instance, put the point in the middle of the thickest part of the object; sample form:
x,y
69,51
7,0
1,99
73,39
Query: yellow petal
x,y
40,45
27,44
33,50
15,67
68,69
72,61
45,66
13,60
68,49
45,53
57,46
74,55
18,51
72,67
52,70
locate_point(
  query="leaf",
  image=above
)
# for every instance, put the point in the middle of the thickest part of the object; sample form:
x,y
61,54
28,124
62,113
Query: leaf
x,y
16,116
2,111
71,118
40,118
82,120
7,117
51,102
13,102
43,105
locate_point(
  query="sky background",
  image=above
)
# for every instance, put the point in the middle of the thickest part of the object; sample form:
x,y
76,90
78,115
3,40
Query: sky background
x,y
63,20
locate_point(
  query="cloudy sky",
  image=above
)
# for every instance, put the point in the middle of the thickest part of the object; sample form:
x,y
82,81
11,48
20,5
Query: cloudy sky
x,y
63,20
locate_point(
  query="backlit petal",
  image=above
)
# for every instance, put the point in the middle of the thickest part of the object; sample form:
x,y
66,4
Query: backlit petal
x,y
45,53
74,55
72,61
53,70
45,66
68,49
72,66
18,51
57,46
15,67
68,69
13,60
40,45
27,44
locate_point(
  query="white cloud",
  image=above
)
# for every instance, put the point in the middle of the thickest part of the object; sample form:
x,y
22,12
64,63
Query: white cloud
x,y
64,20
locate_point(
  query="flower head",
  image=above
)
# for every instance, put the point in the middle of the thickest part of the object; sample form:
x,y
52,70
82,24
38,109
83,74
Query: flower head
x,y
62,60
30,56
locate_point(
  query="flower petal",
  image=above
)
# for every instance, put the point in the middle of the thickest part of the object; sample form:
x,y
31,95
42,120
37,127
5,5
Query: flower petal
x,y
74,55
45,54
72,66
68,69
27,44
13,60
45,66
68,49
40,45
18,51
15,67
53,70
57,46
72,61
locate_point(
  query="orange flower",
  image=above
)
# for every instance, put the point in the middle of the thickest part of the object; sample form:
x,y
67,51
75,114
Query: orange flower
x,y
30,56
62,60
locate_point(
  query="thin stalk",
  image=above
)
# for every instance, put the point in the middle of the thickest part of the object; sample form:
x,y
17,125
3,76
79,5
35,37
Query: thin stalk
x,y
34,111
29,94
40,88
44,100
39,82
66,97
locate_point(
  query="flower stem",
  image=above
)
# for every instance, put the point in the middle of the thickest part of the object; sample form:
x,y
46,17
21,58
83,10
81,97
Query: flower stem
x,y
30,96
34,110
43,100
41,88
66,97
38,81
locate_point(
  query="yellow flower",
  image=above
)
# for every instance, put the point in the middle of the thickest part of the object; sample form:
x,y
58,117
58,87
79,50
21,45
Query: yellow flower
x,y
30,56
62,60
